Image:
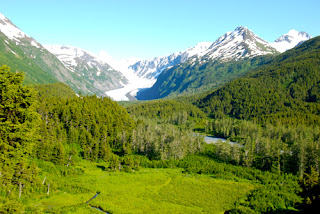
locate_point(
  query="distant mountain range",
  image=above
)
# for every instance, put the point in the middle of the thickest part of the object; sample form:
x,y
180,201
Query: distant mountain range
x,y
185,71
234,45
22,52
230,56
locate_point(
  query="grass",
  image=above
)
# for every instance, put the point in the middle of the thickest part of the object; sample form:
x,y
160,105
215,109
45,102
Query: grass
x,y
144,191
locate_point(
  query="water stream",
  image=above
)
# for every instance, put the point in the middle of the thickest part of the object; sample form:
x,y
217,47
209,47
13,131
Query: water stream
x,y
214,140
93,207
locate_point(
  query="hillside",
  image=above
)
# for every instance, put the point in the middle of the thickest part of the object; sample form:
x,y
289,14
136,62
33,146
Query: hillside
x,y
165,109
89,67
10,54
55,90
59,152
285,90
230,56
196,77
24,53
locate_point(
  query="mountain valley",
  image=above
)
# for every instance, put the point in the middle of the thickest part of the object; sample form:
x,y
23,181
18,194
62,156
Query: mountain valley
x,y
84,133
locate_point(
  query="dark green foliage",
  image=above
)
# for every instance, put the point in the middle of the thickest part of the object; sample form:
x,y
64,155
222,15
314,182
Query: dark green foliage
x,y
194,77
87,126
18,119
284,91
19,125
99,130
311,191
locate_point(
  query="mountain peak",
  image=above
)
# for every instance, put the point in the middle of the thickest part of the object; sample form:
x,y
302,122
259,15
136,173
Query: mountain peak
x,y
241,29
290,40
292,32
238,44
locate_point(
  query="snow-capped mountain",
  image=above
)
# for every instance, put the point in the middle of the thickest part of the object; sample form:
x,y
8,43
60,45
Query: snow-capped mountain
x,y
238,44
234,50
234,45
152,68
90,74
290,40
27,48
89,66
39,65
15,34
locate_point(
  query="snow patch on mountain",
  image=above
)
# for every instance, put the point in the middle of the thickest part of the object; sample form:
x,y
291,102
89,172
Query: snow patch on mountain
x,y
10,30
151,69
89,66
14,33
68,55
238,44
290,40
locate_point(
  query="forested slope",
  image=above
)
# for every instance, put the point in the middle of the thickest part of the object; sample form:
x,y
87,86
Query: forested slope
x,y
285,91
57,150
58,90
165,109
11,54
196,76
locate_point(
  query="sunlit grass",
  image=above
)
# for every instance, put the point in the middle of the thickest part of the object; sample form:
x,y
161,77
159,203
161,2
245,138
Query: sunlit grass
x,y
144,191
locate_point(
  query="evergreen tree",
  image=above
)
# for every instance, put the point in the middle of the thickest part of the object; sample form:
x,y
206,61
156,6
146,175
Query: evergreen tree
x,y
18,128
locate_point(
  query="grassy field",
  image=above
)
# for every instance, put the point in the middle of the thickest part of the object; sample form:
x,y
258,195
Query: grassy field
x,y
144,191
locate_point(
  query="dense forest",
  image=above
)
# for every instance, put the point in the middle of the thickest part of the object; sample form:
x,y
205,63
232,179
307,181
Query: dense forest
x,y
50,123
62,152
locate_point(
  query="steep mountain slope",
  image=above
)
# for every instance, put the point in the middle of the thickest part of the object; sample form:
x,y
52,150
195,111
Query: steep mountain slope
x,y
11,53
88,66
240,43
286,90
228,57
23,53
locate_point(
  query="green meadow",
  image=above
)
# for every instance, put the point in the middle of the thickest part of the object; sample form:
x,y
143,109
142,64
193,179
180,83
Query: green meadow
x,y
144,191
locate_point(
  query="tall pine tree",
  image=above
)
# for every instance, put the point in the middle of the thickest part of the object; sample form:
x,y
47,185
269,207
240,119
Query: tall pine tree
x,y
18,127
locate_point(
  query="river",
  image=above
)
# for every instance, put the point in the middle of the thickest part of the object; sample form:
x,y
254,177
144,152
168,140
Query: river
x,y
214,140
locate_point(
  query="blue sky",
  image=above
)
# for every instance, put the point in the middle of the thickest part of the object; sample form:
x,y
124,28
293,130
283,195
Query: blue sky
x,y
150,28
